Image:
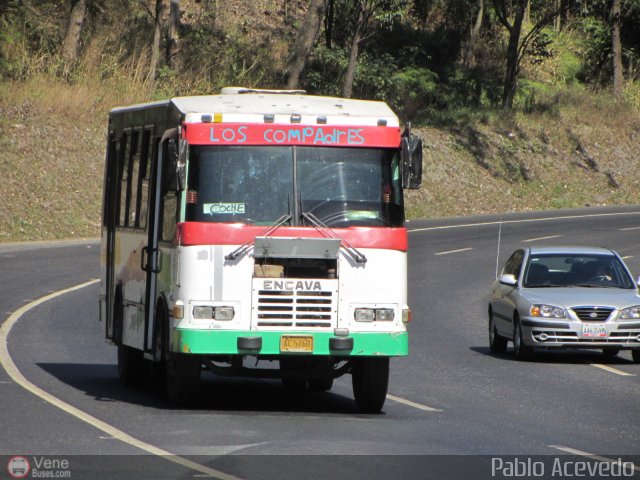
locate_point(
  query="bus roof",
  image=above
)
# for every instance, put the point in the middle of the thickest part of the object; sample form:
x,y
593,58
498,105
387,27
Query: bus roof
x,y
263,102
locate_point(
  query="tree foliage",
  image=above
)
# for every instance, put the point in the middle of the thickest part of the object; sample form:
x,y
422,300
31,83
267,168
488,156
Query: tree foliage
x,y
422,56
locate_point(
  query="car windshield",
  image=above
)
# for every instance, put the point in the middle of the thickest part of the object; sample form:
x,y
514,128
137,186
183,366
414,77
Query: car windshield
x,y
576,270
341,187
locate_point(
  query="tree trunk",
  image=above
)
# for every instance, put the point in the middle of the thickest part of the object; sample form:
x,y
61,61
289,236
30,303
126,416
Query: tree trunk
x,y
155,47
74,28
618,76
304,42
172,40
328,24
513,62
347,84
557,23
469,59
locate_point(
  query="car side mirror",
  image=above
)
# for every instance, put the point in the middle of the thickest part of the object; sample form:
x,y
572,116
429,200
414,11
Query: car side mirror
x,y
508,279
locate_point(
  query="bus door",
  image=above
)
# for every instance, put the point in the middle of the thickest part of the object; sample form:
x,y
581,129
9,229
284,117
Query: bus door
x,y
110,220
151,260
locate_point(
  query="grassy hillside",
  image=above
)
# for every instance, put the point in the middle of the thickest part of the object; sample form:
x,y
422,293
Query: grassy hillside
x,y
577,149
580,150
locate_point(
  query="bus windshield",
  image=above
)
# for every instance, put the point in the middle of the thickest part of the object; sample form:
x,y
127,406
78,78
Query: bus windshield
x,y
342,187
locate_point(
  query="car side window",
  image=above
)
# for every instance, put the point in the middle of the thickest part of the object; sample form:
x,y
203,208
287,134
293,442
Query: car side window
x,y
514,263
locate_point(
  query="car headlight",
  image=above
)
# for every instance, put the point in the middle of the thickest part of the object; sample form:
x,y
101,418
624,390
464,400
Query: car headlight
x,y
547,311
631,313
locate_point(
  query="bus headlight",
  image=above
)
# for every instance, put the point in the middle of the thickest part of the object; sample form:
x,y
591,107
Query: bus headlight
x,y
202,312
223,313
365,314
373,314
384,315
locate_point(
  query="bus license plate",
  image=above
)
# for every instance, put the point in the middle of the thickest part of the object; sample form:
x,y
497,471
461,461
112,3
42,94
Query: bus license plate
x,y
598,330
296,343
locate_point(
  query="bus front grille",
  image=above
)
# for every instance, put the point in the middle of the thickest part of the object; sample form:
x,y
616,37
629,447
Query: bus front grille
x,y
291,307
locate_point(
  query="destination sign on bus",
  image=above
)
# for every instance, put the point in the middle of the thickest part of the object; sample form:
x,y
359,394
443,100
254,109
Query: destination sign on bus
x,y
270,134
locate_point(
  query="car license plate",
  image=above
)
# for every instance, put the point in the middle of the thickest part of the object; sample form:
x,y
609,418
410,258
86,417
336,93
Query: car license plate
x,y
598,330
296,343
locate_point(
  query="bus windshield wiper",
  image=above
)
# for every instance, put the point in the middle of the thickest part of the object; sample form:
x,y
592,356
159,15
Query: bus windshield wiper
x,y
356,254
245,247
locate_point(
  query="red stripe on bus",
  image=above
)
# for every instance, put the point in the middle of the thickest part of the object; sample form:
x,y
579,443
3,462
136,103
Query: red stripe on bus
x,y
274,134
202,233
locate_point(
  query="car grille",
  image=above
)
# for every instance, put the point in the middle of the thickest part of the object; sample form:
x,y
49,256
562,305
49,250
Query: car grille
x,y
593,314
296,308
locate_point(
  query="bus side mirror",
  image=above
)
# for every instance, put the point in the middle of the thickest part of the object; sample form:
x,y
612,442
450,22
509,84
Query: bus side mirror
x,y
181,166
411,160
171,166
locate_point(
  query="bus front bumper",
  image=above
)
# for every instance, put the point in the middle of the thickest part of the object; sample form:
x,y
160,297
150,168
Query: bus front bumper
x,y
233,342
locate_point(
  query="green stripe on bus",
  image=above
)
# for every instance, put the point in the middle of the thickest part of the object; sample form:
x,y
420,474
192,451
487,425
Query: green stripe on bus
x,y
226,342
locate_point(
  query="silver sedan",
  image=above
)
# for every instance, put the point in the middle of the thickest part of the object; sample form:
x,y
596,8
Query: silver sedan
x,y
565,297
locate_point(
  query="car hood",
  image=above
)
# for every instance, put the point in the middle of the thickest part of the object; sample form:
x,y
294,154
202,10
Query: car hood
x,y
582,296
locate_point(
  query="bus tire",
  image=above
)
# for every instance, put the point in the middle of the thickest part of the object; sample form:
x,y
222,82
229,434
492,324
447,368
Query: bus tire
x,y
370,380
320,384
292,382
183,379
130,360
156,368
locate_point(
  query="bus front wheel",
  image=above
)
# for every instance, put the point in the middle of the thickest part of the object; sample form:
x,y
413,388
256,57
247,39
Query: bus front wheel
x,y
370,379
183,379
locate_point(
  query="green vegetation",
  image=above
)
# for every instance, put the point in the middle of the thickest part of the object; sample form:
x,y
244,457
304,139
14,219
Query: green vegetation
x,y
568,141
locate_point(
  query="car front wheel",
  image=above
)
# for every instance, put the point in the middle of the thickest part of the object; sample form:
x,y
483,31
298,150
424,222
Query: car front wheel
x,y
497,343
635,354
520,349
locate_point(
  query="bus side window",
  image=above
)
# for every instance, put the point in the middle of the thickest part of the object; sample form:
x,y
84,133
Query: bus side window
x,y
109,202
145,174
134,169
123,173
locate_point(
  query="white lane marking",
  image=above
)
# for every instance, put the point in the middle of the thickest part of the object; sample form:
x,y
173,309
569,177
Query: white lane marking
x,y
417,405
581,453
541,238
629,228
12,370
454,251
524,220
612,370
627,257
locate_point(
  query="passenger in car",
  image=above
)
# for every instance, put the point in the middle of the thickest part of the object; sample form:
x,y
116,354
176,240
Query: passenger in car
x,y
538,274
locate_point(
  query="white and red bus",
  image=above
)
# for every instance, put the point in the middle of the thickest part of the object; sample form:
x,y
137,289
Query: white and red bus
x,y
262,224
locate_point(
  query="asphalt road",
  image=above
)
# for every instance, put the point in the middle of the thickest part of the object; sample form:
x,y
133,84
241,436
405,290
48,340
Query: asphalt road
x,y
454,405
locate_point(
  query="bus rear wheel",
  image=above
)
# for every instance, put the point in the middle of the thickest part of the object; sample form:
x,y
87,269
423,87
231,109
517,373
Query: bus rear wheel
x,y
183,379
130,360
370,380
130,366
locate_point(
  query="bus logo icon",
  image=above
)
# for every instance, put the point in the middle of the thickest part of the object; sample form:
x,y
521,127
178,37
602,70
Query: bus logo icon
x,y
18,467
